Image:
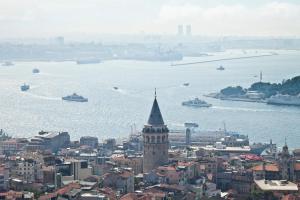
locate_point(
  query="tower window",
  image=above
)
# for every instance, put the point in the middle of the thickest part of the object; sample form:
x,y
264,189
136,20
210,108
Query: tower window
x,y
152,139
158,139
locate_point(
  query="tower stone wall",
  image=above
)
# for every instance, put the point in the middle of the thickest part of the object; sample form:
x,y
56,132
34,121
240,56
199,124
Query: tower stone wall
x,y
155,139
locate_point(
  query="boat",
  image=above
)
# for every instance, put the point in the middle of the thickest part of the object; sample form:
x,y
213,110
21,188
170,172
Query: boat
x,y
196,103
186,84
116,88
35,71
88,61
281,99
7,63
75,97
25,87
221,68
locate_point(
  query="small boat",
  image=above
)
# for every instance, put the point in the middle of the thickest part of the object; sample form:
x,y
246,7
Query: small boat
x,y
196,103
75,97
24,87
221,68
116,88
7,63
35,71
186,84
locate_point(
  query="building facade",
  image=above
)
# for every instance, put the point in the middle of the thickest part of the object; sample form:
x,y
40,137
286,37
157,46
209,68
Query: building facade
x,y
89,141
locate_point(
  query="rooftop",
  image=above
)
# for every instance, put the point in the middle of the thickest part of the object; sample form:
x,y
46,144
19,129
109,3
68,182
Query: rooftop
x,y
155,118
297,166
276,185
269,167
49,135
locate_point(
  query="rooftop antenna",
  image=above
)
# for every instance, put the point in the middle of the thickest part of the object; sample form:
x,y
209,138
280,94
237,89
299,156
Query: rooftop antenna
x,y
224,124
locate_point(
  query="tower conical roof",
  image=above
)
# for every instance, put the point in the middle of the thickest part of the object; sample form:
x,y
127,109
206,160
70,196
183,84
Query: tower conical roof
x,y
155,118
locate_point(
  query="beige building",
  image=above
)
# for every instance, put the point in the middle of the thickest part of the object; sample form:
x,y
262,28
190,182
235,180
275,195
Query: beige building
x,y
74,170
156,142
133,162
27,170
121,180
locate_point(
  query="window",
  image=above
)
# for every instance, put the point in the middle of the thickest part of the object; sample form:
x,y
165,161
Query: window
x,y
152,139
158,139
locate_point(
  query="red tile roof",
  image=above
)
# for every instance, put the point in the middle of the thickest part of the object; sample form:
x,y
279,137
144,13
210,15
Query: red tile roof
x,y
297,166
68,188
269,167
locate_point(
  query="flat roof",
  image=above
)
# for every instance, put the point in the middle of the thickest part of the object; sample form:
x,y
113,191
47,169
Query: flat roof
x,y
276,185
227,149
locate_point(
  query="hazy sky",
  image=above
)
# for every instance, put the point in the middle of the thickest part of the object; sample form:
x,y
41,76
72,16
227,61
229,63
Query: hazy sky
x,y
46,18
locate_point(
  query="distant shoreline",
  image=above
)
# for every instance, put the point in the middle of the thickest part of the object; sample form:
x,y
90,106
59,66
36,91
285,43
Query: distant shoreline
x,y
222,59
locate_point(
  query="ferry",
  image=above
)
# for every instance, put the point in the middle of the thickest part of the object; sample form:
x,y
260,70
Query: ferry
x,y
75,97
196,103
116,88
24,87
186,84
281,99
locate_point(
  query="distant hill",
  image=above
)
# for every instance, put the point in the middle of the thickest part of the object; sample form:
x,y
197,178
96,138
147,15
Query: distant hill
x,y
290,87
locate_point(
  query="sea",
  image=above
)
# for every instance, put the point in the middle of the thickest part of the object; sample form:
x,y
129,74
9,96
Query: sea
x,y
116,113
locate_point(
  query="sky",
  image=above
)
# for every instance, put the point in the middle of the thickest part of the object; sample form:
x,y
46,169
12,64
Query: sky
x,y
50,18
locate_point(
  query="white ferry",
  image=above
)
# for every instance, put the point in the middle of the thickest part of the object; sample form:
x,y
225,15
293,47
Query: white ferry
x,y
75,97
196,103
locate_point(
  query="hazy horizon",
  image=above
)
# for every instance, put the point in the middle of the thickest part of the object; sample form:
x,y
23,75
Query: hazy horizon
x,y
40,19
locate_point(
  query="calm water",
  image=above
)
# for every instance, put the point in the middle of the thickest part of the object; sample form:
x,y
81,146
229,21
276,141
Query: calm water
x,y
110,113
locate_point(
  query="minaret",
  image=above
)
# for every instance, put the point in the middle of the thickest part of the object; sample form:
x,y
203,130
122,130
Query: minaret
x,y
156,143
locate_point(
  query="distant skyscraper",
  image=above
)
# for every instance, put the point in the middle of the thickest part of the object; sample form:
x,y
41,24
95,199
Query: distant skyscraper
x,y
188,30
156,143
180,30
